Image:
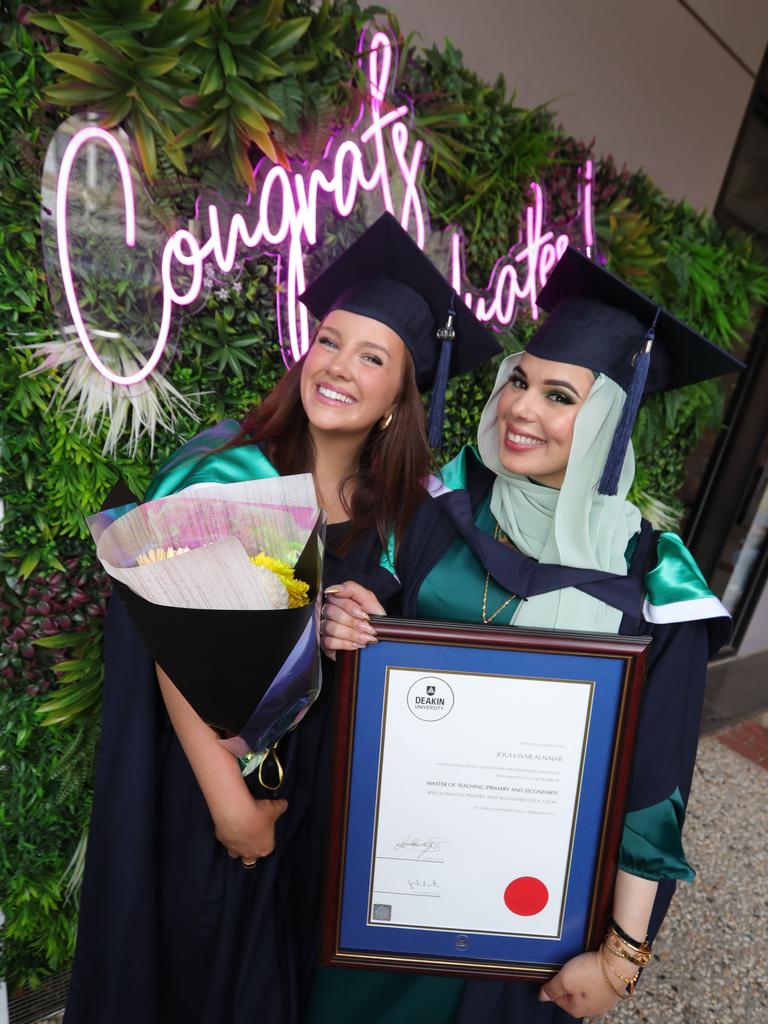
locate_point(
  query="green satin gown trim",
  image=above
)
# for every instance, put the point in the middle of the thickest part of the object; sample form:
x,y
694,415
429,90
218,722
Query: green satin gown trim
x,y
341,996
454,473
676,577
453,591
198,462
651,845
387,556
454,476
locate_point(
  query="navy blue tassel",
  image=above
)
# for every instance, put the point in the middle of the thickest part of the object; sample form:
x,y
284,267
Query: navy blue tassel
x,y
609,481
446,334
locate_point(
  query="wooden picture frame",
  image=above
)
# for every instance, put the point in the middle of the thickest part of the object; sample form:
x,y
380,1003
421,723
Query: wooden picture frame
x,y
400,757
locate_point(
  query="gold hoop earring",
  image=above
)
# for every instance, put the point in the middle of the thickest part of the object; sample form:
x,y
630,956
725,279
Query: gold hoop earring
x,y
385,423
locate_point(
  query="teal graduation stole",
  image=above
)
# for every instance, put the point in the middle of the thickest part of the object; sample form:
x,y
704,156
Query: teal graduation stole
x,y
676,590
199,462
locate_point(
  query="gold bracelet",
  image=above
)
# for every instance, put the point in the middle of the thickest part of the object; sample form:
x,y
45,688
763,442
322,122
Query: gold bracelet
x,y
628,982
614,948
609,983
640,956
621,936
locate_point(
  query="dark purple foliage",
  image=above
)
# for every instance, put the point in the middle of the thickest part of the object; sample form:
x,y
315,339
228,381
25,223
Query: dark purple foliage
x,y
44,606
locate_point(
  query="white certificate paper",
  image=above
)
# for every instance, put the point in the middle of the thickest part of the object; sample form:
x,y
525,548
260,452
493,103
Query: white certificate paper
x,y
479,782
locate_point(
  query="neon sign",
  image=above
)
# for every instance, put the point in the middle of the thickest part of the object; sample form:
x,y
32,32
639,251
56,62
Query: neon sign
x,y
280,218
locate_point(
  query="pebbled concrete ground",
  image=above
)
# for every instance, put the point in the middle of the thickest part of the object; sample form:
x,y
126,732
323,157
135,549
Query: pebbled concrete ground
x,y
711,957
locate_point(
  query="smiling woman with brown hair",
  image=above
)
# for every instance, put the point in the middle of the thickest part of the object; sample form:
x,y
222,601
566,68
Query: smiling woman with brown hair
x,y
200,887
321,401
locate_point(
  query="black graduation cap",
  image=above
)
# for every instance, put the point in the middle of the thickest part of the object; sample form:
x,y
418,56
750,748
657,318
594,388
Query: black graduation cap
x,y
384,275
598,321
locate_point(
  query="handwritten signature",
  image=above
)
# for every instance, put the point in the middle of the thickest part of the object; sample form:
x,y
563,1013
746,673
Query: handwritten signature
x,y
423,883
421,846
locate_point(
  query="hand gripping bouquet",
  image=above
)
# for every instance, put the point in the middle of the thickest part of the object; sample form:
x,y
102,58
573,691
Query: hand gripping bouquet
x,y
223,584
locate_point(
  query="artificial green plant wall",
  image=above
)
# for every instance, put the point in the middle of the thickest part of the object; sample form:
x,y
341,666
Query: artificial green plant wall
x,y
205,89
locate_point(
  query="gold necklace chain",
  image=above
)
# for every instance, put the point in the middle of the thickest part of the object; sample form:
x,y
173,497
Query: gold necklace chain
x,y
498,534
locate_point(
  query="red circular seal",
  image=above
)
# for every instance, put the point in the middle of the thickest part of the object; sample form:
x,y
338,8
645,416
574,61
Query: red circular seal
x,y
526,896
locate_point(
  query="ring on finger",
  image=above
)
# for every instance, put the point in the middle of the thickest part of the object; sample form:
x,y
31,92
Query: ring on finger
x,y
249,864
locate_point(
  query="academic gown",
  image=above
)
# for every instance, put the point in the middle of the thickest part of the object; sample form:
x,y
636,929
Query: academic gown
x,y
171,929
663,596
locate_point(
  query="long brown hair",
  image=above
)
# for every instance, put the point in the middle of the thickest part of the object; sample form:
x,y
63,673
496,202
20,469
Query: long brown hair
x,y
394,462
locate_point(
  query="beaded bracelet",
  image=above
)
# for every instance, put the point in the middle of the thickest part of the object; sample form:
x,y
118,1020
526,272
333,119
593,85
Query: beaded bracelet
x,y
617,946
628,982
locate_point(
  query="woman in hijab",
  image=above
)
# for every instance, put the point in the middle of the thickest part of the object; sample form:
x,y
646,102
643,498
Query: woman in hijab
x,y
534,529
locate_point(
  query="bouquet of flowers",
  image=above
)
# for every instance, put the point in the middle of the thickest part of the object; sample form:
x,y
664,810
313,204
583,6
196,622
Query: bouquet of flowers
x,y
222,582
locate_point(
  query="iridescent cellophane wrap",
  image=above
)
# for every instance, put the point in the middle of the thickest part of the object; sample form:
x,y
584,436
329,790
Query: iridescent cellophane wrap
x,y
250,669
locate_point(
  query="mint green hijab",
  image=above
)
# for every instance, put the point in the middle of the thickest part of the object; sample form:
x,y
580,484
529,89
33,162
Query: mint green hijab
x,y
572,526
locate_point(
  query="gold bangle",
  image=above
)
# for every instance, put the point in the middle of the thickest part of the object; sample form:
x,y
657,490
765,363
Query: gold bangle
x,y
623,955
640,956
611,944
609,983
639,947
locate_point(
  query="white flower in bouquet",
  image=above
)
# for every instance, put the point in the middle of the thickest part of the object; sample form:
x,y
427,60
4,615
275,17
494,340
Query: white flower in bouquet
x,y
276,578
214,546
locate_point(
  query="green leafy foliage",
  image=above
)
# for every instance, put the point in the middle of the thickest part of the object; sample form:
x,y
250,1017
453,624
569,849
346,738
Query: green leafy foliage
x,y
195,82
43,803
180,73
485,151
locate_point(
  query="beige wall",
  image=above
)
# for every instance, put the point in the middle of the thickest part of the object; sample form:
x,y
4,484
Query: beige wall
x,y
645,79
742,24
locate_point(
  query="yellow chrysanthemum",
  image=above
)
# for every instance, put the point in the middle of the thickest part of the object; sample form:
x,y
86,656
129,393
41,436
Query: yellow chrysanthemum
x,y
298,590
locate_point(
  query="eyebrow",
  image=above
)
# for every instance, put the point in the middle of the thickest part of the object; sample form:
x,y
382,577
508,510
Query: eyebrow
x,y
361,344
375,344
549,383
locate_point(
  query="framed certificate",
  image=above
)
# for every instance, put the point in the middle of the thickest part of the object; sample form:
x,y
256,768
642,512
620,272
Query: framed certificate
x,y
478,792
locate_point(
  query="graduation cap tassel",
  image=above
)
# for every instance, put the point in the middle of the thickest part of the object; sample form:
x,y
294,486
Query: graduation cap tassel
x,y
445,334
609,481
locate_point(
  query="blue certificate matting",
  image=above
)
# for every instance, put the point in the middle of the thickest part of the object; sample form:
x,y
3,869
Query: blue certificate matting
x,y
357,931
